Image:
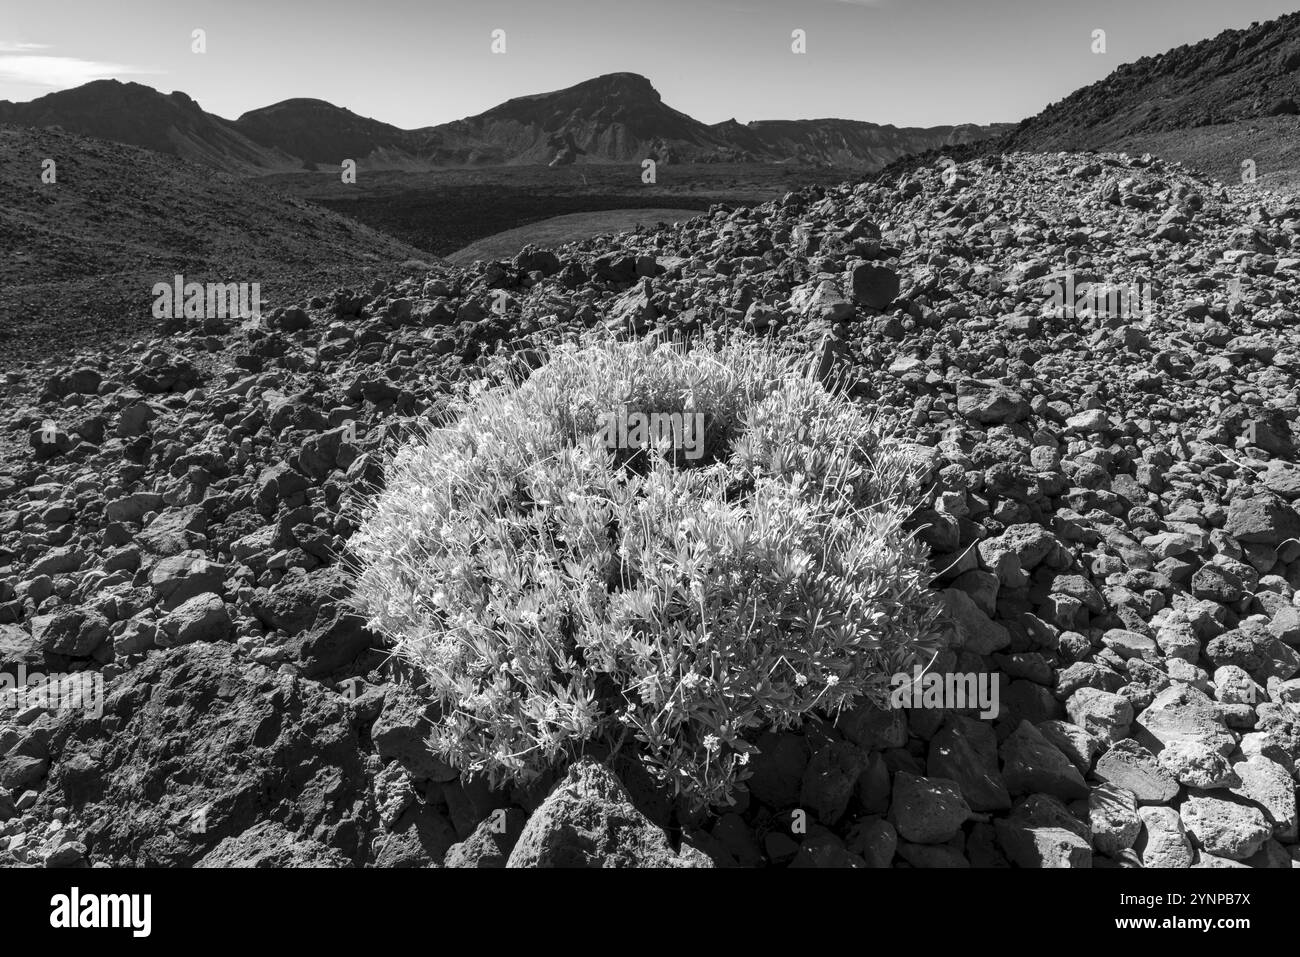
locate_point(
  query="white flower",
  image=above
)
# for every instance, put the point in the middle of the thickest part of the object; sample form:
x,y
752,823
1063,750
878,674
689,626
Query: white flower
x,y
801,680
832,680
712,744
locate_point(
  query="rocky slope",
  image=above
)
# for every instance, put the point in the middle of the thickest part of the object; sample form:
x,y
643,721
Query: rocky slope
x,y
1237,75
1112,515
1216,103
79,257
616,118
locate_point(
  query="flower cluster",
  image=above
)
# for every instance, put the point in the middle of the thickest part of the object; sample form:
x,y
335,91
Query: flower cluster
x,y
557,592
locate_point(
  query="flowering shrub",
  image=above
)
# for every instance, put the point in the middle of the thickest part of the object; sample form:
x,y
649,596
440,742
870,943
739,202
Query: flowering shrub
x,y
558,592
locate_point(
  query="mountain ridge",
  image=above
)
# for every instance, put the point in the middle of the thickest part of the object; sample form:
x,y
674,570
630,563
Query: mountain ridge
x,y
1220,105
1233,76
138,115
612,118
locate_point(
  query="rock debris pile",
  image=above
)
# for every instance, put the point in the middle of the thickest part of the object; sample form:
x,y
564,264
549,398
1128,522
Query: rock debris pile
x,y
1111,512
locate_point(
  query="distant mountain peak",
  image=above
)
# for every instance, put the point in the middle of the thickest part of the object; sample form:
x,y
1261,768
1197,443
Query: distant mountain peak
x,y
629,89
184,100
633,82
298,103
612,118
142,116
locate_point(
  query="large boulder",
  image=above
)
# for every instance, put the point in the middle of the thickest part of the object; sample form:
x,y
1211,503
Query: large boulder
x,y
324,636
1225,827
17,647
589,821
75,632
178,578
1033,765
966,751
270,844
195,746
1182,713
401,731
1264,519
927,810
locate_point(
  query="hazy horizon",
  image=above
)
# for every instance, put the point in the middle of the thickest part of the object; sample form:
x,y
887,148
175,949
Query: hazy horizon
x,y
410,64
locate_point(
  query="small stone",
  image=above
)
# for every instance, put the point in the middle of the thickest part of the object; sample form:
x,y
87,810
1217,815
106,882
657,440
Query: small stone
x,y
1030,764
1217,583
1285,625
1181,713
927,810
67,854
966,751
829,779
201,618
989,404
1130,766
1232,685
1112,813
874,840
1197,765
1261,518
1040,847
1268,785
1101,713
1073,741
1163,841
973,630
1092,421
1130,644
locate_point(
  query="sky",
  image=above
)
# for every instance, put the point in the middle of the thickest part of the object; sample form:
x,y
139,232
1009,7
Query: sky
x,y
417,63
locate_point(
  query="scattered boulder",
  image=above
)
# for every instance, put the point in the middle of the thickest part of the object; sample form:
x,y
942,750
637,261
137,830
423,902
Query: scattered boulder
x,y
589,821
